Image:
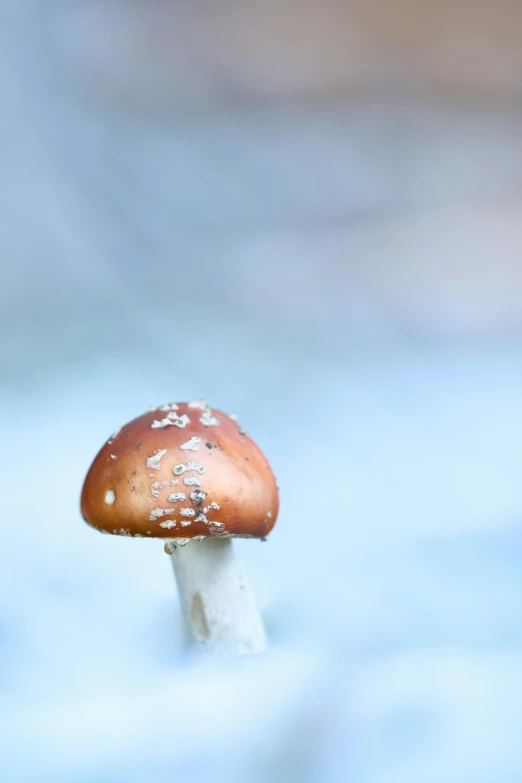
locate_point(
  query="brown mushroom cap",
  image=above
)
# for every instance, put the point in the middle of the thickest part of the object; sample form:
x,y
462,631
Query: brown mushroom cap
x,y
179,471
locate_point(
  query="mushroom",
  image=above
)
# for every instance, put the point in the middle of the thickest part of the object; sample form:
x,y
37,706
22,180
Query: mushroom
x,y
196,486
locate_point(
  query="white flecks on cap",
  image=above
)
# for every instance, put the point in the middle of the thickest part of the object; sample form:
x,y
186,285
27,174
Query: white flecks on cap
x,y
110,497
156,513
208,420
269,514
192,482
186,524
113,456
213,505
217,529
178,470
201,404
232,416
176,496
154,461
169,524
201,518
198,496
173,482
167,406
155,488
162,423
187,512
242,431
124,531
137,535
148,532
178,421
192,444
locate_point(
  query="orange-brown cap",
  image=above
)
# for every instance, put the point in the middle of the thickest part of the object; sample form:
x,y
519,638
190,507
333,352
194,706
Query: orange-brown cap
x,y
181,470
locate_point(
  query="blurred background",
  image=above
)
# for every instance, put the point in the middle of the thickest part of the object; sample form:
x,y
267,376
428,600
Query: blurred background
x,y
307,212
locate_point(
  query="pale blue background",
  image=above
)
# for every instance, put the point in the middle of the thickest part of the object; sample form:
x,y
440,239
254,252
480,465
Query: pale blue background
x,y
346,277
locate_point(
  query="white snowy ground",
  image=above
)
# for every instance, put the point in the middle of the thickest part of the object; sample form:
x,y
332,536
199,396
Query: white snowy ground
x,y
391,589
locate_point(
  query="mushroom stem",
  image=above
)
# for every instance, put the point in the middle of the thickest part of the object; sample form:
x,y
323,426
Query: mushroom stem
x,y
218,606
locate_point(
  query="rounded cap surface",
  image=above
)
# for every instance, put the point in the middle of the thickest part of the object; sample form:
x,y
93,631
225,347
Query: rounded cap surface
x,y
181,470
